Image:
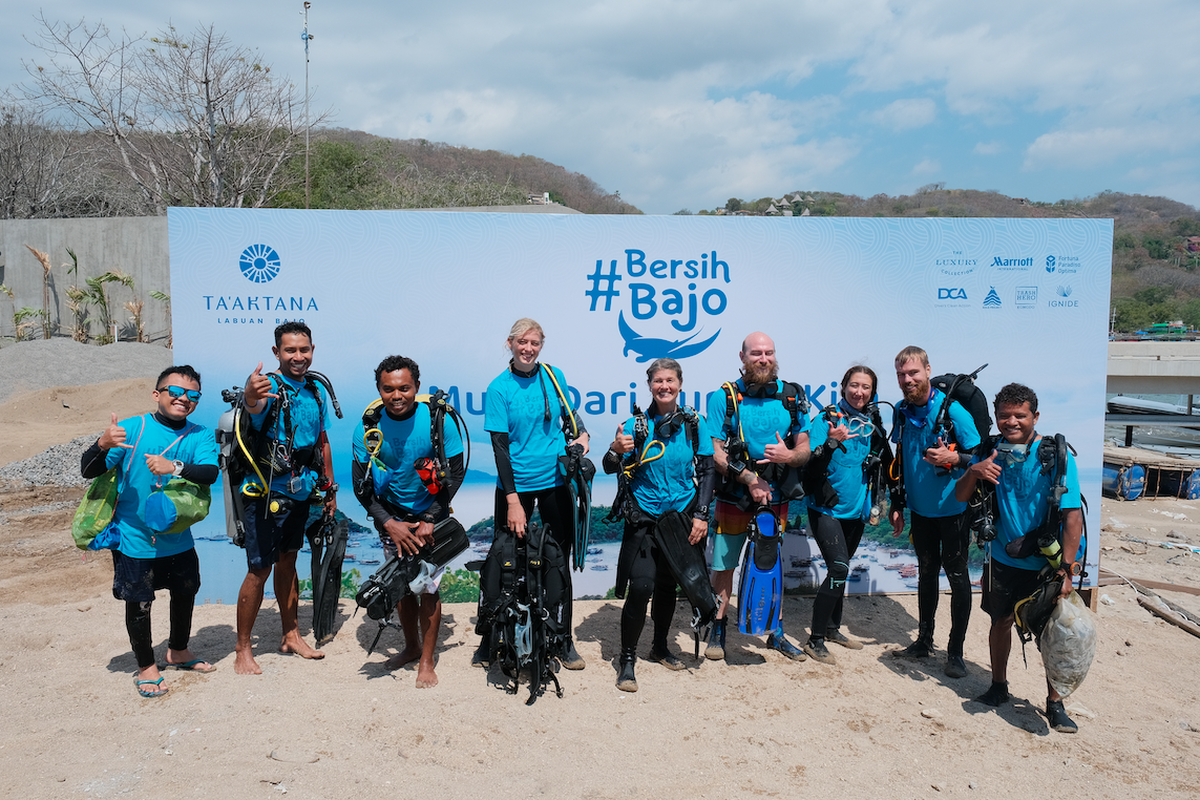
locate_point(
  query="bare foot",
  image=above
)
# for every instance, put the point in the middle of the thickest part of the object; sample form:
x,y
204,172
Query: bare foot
x,y
298,647
406,656
426,677
244,663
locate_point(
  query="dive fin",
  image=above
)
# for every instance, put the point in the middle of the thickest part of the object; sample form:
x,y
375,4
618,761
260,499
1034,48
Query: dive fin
x,y
581,494
760,590
687,564
327,582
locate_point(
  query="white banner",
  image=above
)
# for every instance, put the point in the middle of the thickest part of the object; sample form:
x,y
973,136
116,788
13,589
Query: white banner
x,y
1028,297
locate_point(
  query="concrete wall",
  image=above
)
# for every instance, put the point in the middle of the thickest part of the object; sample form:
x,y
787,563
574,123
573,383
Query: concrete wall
x,y
1154,367
135,245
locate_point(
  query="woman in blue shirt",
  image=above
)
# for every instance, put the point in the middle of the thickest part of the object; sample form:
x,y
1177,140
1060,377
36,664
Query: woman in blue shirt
x,y
673,472
849,446
524,414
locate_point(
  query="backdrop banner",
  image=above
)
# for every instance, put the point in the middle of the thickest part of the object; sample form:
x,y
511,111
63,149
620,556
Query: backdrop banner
x,y
1027,297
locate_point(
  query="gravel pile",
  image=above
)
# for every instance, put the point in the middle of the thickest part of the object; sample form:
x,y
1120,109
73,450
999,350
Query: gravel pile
x,y
45,363
57,465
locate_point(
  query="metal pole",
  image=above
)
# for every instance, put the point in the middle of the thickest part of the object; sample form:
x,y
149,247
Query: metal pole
x,y
307,37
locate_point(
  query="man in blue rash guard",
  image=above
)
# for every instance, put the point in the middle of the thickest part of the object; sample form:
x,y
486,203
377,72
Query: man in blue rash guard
x,y
939,532
403,509
1022,499
275,529
776,439
149,450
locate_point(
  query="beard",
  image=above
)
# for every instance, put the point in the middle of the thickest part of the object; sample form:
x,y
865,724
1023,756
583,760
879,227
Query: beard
x,y
760,373
918,395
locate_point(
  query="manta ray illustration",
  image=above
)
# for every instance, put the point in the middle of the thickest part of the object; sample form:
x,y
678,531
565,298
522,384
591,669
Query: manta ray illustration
x,y
648,348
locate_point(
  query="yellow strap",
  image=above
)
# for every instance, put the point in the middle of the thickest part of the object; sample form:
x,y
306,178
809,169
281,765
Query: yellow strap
x,y
562,397
733,393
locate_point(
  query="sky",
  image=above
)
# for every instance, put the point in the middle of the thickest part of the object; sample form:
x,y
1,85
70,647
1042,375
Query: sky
x,y
685,104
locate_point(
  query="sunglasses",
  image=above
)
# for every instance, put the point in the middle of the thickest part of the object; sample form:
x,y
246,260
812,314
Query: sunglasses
x,y
178,391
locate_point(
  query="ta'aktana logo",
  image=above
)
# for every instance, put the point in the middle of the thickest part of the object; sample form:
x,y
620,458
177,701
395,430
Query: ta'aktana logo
x,y
664,296
259,263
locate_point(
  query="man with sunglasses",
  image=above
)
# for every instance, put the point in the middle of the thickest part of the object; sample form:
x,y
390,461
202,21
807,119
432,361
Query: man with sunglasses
x,y
289,416
148,451
1023,490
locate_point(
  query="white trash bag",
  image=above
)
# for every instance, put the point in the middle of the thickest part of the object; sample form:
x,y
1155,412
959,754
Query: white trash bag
x,y
1068,644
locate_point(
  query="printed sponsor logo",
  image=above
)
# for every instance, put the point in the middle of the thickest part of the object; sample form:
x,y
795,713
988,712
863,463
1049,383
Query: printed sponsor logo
x,y
957,293
956,264
1064,293
665,297
1063,265
260,263
1026,297
1012,264
992,300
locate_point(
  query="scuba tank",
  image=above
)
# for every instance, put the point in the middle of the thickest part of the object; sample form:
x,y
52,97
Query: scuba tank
x,y
230,466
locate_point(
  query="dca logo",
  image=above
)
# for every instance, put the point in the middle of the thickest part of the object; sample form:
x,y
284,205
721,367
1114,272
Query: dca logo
x,y
259,263
671,302
952,294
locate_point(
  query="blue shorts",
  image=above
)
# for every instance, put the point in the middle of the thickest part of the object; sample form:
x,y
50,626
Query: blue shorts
x,y
732,524
282,531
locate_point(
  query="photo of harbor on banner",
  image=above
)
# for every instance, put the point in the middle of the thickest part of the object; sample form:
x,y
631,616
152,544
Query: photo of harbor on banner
x,y
1028,298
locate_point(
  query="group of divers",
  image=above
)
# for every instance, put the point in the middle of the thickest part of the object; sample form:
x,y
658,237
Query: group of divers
x,y
683,477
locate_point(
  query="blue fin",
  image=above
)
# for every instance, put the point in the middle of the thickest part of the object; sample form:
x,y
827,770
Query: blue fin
x,y
760,591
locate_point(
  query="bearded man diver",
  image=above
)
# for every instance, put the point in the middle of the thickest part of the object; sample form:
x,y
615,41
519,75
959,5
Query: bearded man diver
x,y
765,418
929,465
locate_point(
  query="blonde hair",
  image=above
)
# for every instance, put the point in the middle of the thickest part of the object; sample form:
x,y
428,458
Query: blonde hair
x,y
911,352
524,325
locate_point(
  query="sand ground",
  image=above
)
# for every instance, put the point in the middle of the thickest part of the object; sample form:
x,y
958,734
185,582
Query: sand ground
x,y
759,725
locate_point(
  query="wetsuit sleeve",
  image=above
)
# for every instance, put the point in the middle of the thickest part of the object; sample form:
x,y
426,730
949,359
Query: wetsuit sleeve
x,y
611,463
706,484
93,465
503,462
200,473
364,490
455,472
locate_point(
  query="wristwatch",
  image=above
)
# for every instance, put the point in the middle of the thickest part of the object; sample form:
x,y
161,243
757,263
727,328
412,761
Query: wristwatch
x,y
178,469
1075,568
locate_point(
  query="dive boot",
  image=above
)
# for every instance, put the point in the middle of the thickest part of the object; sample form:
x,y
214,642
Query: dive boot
x,y
715,651
482,656
837,637
956,667
626,681
1056,716
816,650
570,657
660,654
780,644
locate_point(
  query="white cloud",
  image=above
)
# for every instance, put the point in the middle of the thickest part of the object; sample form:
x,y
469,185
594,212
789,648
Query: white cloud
x,y
926,166
905,114
988,148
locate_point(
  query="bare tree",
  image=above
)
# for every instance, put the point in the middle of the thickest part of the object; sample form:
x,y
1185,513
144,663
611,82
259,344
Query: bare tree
x,y
194,121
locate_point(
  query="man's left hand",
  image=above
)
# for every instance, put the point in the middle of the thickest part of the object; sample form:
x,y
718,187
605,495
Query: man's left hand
x,y
699,531
941,455
583,439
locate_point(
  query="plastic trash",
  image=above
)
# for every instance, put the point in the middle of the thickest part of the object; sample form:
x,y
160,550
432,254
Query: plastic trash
x,y
1069,644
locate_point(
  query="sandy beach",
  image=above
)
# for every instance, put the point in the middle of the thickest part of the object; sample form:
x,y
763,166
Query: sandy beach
x,y
758,725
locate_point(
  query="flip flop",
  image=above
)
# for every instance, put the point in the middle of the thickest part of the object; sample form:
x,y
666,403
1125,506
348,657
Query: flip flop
x,y
150,692
193,666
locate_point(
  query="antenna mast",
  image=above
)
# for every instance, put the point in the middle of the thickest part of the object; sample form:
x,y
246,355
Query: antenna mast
x,y
306,36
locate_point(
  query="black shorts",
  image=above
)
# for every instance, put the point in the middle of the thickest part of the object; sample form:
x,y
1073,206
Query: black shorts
x,y
136,579
281,531
1003,587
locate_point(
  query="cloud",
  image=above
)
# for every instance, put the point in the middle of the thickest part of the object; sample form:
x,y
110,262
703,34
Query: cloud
x,y
926,166
988,148
902,115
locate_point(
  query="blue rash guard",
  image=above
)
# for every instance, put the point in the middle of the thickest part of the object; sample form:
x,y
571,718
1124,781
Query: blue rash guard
x,y
929,494
1022,499
198,446
517,405
404,442
310,416
668,483
762,419
846,473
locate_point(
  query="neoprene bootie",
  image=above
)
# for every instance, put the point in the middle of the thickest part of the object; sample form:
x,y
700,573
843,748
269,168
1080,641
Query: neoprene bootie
x,y
626,680
570,656
715,650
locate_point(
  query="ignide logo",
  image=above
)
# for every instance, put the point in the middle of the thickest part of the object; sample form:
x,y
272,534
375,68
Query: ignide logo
x,y
1063,300
259,263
